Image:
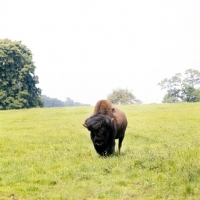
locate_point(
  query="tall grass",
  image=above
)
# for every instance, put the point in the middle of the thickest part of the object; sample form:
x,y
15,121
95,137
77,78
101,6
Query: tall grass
x,y
48,154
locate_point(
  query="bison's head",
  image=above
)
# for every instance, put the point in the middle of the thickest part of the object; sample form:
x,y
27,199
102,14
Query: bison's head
x,y
101,128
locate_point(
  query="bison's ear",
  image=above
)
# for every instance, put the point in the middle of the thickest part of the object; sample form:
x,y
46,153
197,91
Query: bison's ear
x,y
85,125
112,121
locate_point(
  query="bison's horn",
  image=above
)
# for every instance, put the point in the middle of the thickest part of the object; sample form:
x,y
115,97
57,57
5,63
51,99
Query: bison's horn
x,y
85,125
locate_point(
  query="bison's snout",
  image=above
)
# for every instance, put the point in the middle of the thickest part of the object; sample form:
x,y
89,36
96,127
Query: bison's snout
x,y
99,143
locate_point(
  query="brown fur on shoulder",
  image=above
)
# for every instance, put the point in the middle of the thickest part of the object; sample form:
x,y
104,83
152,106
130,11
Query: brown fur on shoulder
x,y
104,107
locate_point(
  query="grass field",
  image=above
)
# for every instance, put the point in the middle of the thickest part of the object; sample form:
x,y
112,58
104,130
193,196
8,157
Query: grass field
x,y
48,154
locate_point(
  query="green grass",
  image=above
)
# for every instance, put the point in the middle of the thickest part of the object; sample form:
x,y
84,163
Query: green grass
x,y
48,154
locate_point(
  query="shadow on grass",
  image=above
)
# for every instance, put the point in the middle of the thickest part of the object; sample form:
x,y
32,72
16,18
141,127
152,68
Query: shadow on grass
x,y
114,155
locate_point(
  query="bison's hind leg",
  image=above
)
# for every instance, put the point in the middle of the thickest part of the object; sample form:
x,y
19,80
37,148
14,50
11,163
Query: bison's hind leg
x,y
120,144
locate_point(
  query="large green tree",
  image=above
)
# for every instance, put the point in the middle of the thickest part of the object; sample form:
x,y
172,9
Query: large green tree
x,y
182,88
17,79
122,96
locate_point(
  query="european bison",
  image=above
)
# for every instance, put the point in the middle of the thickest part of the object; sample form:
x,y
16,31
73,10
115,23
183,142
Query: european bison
x,y
105,125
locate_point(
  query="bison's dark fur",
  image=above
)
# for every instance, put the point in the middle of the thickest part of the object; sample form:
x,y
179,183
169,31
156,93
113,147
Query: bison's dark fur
x,y
105,125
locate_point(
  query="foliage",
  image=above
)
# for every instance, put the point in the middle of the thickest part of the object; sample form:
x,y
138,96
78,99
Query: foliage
x,y
44,151
17,79
54,102
122,96
182,89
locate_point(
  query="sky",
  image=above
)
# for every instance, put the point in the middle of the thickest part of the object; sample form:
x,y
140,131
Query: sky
x,y
84,49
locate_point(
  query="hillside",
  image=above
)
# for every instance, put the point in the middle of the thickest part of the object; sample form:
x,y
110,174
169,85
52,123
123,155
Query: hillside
x,y
46,153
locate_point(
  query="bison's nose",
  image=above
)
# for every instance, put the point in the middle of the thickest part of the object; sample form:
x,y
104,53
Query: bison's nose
x,y
98,143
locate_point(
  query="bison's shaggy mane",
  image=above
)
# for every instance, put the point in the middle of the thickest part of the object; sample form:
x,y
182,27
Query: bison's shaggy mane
x,y
95,122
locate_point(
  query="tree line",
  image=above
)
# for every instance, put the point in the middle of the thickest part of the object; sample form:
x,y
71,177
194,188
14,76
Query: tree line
x,y
54,102
18,83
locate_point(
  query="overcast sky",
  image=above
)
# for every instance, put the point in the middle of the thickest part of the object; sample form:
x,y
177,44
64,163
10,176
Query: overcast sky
x,y
83,49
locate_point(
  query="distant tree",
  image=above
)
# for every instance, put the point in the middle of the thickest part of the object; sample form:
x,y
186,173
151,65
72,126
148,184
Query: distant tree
x,y
122,96
80,104
54,102
17,79
182,89
69,102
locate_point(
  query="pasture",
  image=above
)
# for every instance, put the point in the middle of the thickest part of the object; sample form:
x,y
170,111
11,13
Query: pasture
x,y
48,154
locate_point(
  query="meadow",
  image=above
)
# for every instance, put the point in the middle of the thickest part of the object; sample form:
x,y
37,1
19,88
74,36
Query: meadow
x,y
46,153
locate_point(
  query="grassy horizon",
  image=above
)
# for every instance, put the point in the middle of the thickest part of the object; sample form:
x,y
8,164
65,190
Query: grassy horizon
x,y
46,153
